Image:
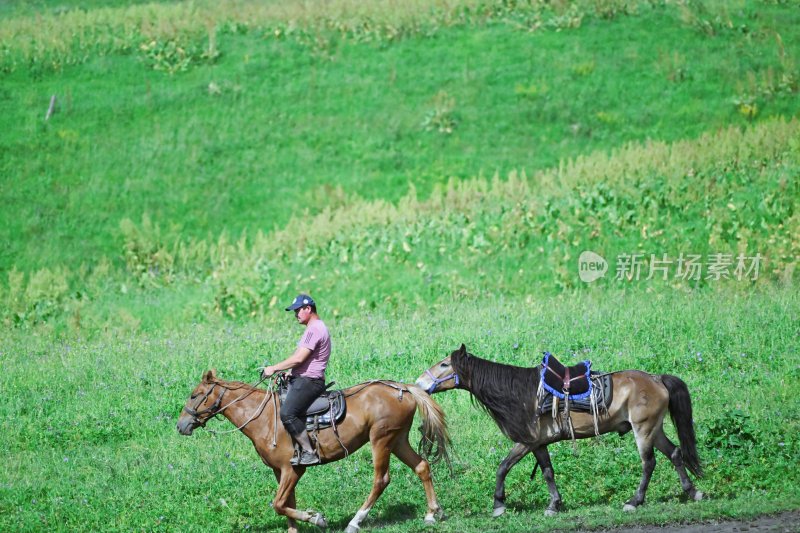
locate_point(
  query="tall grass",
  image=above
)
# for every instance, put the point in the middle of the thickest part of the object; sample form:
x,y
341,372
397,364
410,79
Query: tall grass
x,y
518,236
59,37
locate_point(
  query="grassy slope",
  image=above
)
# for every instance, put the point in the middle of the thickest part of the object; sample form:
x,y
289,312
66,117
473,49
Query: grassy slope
x,y
89,440
293,119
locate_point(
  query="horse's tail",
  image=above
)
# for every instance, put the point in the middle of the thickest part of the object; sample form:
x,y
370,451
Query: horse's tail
x,y
680,409
435,443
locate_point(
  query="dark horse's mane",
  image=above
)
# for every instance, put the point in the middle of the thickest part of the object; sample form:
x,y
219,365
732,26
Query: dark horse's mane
x,y
506,392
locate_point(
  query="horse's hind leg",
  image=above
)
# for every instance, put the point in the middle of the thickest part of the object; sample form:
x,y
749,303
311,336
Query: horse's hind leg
x,y
644,442
543,457
514,456
403,450
380,463
673,453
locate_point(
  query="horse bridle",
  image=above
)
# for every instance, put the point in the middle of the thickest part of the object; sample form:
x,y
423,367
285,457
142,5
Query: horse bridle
x,y
214,409
439,381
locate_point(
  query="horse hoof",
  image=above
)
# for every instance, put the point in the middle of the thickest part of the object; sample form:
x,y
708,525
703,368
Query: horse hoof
x,y
698,495
430,521
439,514
550,512
498,511
628,508
319,521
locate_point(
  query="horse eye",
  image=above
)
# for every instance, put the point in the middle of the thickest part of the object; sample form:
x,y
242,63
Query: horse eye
x,y
445,365
193,396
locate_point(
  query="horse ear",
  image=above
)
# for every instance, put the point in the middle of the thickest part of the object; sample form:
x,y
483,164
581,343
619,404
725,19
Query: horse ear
x,y
210,376
463,349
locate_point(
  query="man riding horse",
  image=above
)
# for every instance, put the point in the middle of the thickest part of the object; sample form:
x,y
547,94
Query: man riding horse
x,y
307,363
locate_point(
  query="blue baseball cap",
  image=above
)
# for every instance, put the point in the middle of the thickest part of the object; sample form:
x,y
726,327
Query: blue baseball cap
x,y
301,300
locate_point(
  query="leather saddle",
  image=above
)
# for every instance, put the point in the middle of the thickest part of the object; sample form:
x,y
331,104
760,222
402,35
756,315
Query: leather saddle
x,y
585,405
576,383
328,409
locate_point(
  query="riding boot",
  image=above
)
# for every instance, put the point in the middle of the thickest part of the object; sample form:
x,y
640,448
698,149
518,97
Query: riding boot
x,y
304,457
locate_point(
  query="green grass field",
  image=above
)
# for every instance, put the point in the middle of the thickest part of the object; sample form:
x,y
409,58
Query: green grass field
x,y
431,172
90,441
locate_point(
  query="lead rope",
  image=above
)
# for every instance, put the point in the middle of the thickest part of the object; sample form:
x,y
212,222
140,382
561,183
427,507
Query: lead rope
x,y
275,419
593,405
382,382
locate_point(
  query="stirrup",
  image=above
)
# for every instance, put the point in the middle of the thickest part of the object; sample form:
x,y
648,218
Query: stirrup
x,y
308,458
296,455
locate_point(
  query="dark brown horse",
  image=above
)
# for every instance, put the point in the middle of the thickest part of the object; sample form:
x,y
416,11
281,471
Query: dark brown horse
x,y
378,412
640,402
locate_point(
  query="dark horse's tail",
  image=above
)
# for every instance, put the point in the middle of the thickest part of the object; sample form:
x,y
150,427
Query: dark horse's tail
x,y
680,409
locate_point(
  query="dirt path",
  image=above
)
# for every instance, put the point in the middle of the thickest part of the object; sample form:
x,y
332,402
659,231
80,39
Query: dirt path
x,y
788,522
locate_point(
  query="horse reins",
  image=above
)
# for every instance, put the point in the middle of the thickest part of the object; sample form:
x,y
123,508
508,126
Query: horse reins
x,y
215,409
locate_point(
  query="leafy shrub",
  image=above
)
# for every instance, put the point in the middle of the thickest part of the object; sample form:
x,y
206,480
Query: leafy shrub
x,y
608,9
242,279
173,56
45,295
732,430
569,18
146,256
442,117
708,18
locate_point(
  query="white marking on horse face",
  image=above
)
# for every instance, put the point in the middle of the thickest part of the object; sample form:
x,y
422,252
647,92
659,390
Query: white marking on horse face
x,y
423,383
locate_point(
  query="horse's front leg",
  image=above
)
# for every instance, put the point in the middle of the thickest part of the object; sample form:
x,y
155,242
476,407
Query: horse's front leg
x,y
290,501
543,458
284,503
514,456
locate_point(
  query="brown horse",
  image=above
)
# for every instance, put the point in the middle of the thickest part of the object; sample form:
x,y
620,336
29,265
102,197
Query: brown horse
x,y
640,402
378,412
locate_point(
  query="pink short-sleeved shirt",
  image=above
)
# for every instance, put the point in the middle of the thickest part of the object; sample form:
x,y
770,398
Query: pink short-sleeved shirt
x,y
317,339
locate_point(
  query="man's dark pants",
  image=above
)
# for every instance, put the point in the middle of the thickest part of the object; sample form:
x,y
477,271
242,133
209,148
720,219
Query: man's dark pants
x,y
302,393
